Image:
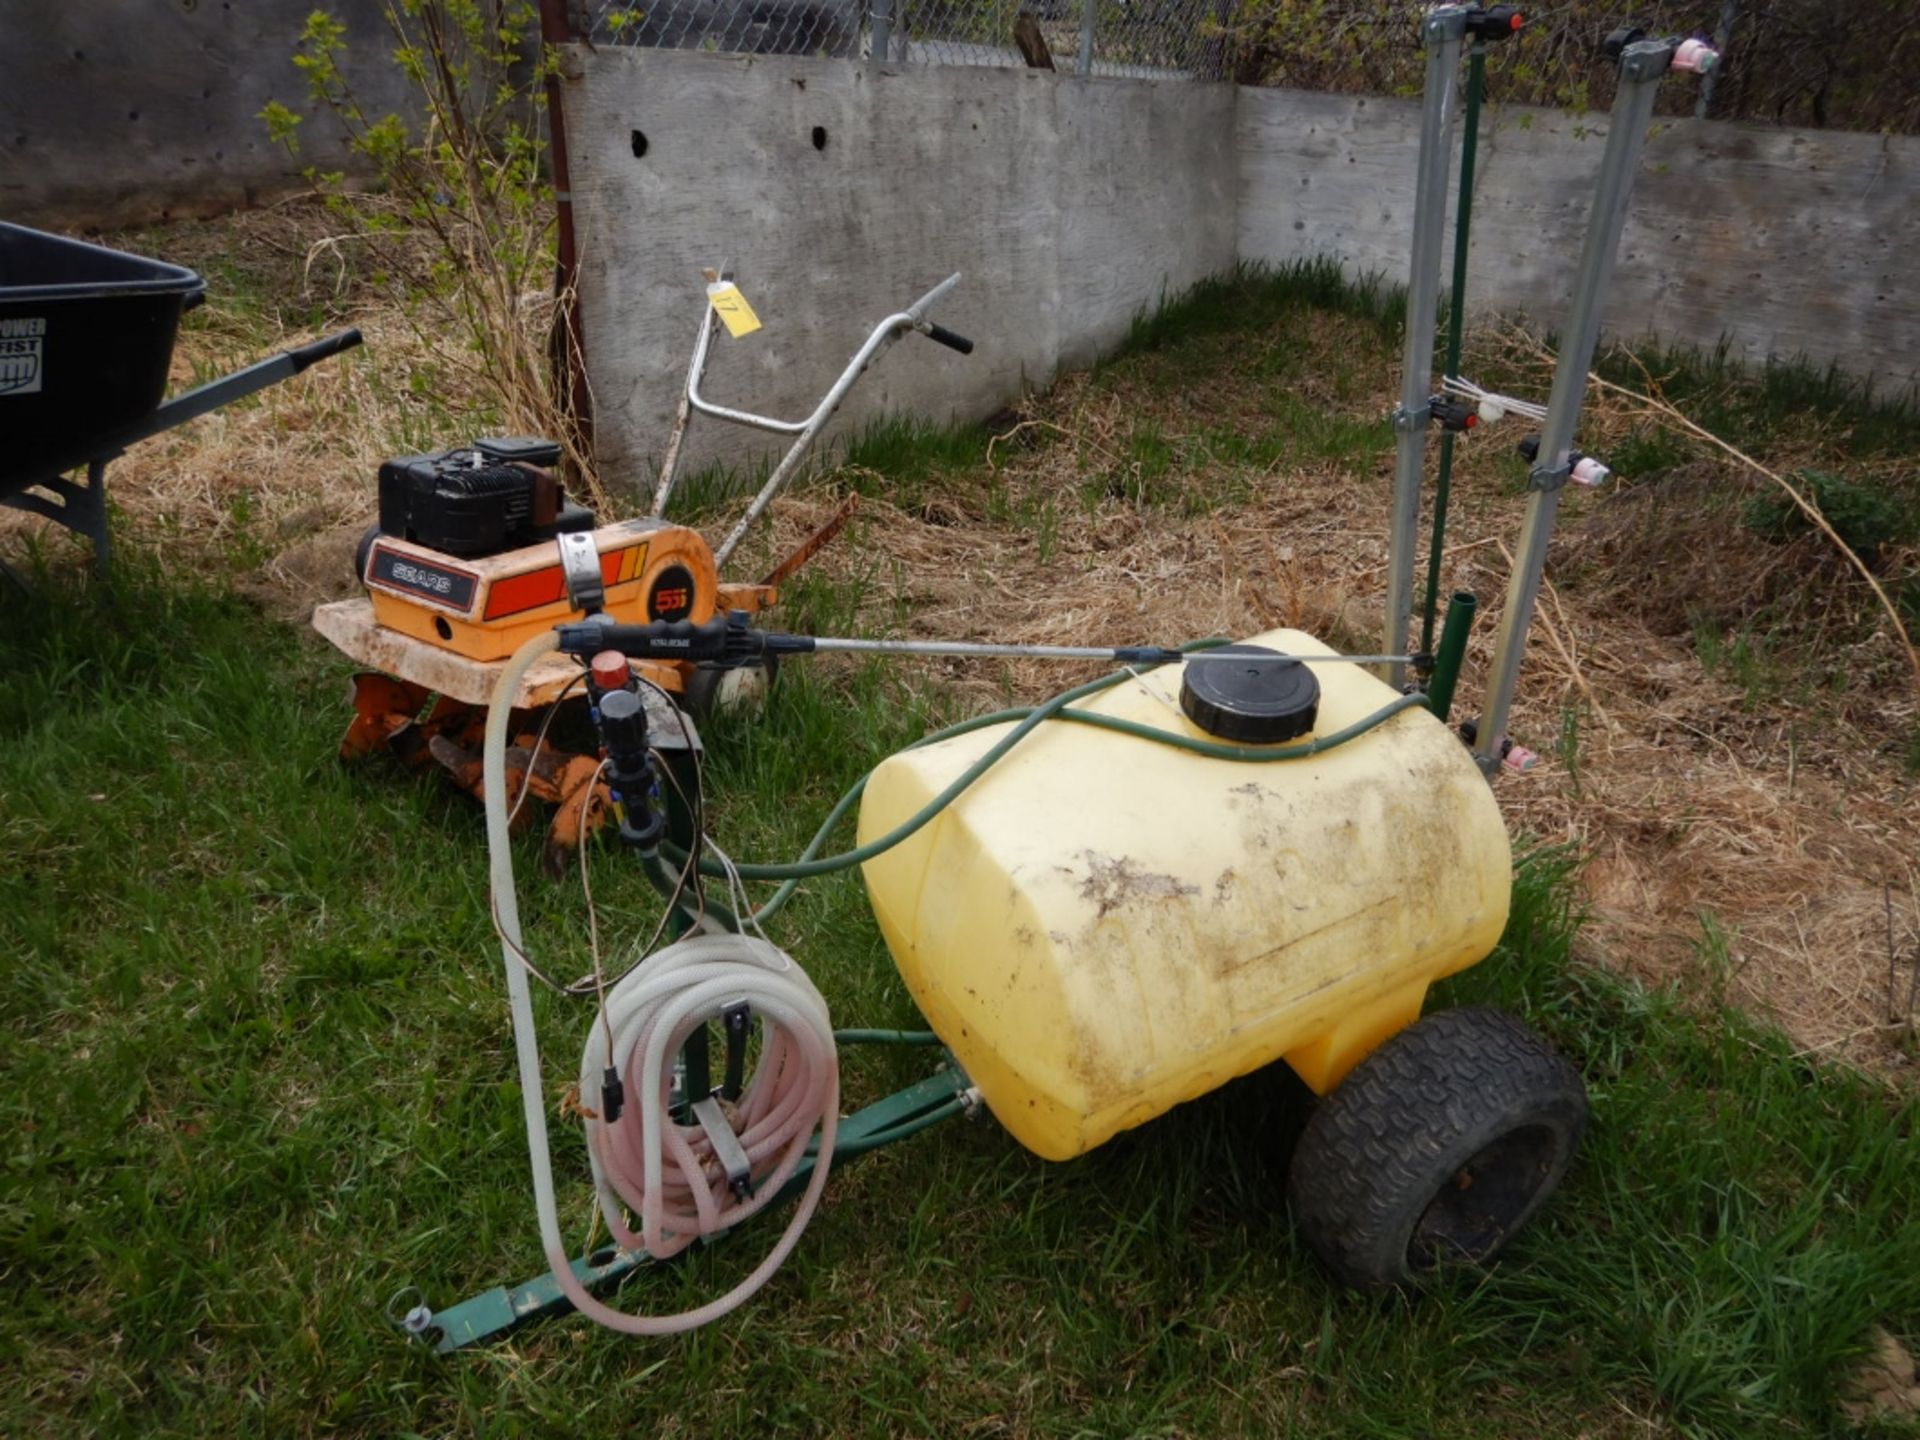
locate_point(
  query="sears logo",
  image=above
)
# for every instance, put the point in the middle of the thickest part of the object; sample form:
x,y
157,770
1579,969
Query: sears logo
x,y
670,597
419,577
22,351
439,584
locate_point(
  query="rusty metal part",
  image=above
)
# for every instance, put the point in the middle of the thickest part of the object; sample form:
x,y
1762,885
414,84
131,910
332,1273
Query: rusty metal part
x,y
387,716
382,709
814,543
578,815
750,598
569,783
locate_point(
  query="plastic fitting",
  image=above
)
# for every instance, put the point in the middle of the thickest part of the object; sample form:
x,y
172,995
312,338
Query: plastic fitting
x,y
1695,56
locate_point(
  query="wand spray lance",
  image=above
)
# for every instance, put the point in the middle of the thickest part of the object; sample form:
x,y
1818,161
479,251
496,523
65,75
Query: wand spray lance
x,y
729,640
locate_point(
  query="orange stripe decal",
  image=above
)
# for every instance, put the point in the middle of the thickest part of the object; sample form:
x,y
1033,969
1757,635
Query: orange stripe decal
x,y
534,588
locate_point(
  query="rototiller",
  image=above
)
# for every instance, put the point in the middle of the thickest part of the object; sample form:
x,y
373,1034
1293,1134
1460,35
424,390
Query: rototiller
x,y
1217,857
465,563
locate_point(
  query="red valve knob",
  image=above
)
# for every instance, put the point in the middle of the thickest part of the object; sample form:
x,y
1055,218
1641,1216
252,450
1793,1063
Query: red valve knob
x,y
611,671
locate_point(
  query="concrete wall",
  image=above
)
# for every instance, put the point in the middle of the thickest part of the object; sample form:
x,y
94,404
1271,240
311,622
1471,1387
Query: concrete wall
x,y
1785,242
1067,205
117,112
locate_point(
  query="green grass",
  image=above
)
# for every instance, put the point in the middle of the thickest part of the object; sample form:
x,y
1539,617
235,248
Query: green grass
x,y
258,1078
259,1075
1253,295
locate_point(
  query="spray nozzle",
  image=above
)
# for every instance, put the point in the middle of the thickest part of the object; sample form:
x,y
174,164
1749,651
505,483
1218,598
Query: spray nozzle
x,y
1494,22
1454,415
1581,469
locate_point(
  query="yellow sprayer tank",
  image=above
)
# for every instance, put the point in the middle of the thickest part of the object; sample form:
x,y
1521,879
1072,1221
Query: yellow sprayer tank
x,y
1102,926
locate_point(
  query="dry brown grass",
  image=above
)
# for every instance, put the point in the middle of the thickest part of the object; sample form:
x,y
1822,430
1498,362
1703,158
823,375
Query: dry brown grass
x,y
289,472
1737,847
1739,850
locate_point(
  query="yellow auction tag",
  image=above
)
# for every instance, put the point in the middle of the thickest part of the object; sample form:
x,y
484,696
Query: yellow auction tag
x,y
735,313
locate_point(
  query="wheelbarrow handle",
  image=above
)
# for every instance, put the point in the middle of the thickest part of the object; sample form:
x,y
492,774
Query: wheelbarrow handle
x,y
321,349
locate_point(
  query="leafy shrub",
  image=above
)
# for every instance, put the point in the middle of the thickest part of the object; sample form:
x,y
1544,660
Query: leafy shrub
x,y
1866,517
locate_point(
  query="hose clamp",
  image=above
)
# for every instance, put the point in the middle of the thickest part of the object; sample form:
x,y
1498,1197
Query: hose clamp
x,y
1549,477
1645,60
1407,421
580,566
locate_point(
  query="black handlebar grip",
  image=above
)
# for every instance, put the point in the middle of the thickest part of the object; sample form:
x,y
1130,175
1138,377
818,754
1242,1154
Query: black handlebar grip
x,y
321,349
656,640
947,338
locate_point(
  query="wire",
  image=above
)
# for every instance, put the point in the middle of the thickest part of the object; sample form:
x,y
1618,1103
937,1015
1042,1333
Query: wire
x,y
1528,408
540,739
593,915
698,808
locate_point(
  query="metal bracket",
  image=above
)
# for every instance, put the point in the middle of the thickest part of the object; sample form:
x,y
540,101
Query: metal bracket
x,y
1647,59
736,1019
726,1145
492,1312
580,564
1409,420
1549,477
79,508
1446,22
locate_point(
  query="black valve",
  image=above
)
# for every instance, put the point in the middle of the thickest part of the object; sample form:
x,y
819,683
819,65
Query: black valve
x,y
1453,415
630,770
1617,41
1494,22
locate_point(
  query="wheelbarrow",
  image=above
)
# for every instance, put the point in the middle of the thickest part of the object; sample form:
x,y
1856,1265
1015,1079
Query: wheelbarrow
x,y
86,338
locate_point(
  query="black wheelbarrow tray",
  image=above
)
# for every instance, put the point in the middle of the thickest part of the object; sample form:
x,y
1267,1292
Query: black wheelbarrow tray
x,y
86,338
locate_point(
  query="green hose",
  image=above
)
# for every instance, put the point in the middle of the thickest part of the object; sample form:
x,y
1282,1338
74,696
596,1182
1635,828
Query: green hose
x,y
885,1037
809,866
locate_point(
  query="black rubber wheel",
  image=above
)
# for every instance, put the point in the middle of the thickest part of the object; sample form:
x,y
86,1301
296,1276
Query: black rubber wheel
x,y
712,688
1437,1149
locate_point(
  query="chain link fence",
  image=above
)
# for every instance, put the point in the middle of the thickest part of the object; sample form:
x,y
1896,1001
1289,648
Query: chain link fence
x,y
1787,61
1141,39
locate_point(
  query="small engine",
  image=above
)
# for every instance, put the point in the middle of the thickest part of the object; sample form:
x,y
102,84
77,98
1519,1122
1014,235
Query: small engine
x,y
481,499
463,557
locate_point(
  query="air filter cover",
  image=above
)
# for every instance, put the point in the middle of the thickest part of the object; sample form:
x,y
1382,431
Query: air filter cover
x,y
1261,699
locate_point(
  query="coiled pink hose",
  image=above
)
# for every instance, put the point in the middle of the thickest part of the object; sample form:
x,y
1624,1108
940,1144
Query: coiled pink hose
x,y
795,1085
668,1173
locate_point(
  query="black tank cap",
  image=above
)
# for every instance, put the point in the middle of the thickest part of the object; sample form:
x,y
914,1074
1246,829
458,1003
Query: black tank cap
x,y
1261,700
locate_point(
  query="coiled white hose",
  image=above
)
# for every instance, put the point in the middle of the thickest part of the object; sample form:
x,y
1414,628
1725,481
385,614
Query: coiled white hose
x,y
664,1171
667,1173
